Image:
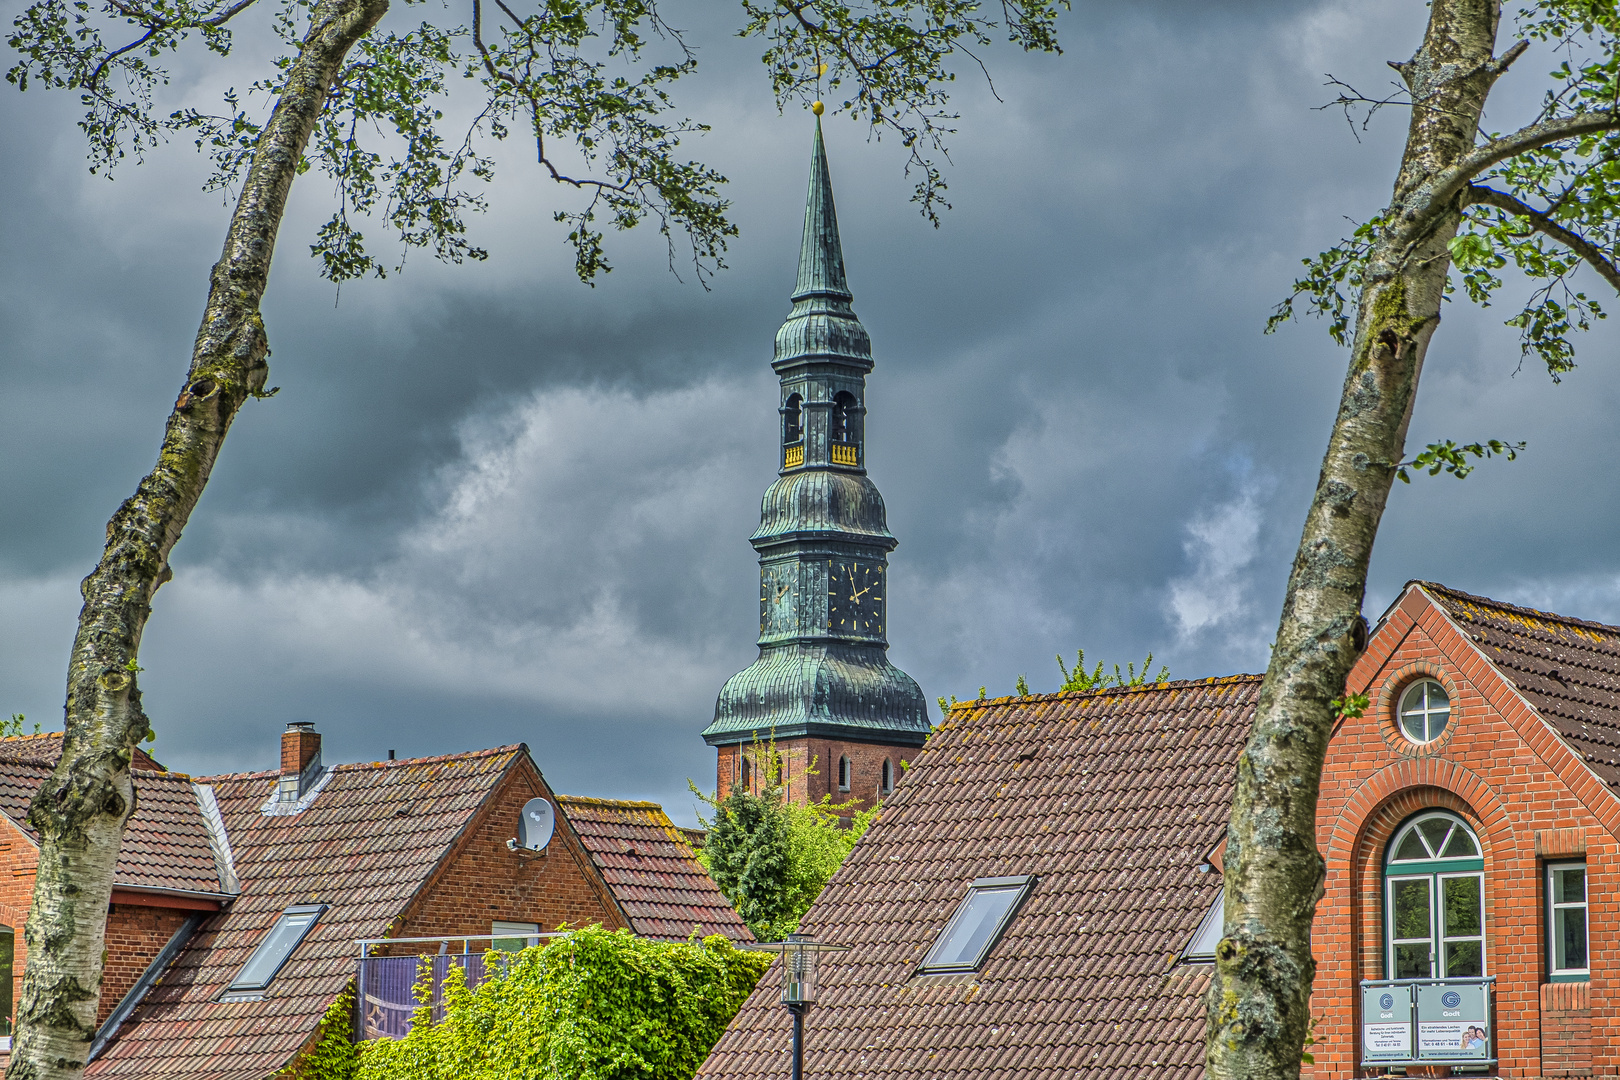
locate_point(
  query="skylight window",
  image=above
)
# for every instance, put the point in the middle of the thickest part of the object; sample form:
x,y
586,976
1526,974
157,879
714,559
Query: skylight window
x,y
267,960
978,924
1201,950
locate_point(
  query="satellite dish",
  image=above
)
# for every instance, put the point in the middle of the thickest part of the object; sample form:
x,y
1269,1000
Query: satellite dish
x,y
535,825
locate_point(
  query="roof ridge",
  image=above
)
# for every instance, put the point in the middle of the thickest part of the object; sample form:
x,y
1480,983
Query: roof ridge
x,y
1551,616
355,766
616,804
1173,684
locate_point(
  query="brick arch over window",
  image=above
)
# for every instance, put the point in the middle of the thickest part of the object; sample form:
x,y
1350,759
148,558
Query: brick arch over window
x,y
1388,798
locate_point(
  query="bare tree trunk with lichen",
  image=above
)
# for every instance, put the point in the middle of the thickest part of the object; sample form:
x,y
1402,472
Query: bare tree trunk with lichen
x,y
1259,998
81,810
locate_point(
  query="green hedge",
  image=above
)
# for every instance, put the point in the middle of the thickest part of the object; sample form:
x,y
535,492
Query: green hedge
x,y
595,1005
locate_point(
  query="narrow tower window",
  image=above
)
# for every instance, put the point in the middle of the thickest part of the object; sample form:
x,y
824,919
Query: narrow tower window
x,y
843,774
888,776
793,419
843,417
747,776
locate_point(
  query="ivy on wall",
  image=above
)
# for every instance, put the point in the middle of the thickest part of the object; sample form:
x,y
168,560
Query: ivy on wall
x,y
595,1005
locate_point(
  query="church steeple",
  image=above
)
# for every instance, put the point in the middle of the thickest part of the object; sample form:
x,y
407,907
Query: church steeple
x,y
821,256
823,687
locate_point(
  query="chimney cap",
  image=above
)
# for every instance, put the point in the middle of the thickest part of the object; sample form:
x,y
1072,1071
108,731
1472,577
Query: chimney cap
x,y
301,725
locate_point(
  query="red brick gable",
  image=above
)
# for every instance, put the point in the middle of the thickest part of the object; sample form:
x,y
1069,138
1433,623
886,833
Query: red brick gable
x,y
366,845
655,878
1516,774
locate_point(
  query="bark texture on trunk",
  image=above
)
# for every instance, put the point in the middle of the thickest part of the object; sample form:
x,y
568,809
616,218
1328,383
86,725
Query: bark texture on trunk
x,y
81,810
1259,999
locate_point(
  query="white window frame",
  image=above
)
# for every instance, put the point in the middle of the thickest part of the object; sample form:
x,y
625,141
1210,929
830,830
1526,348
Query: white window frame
x,y
932,965
1426,711
240,991
1558,974
526,932
1435,870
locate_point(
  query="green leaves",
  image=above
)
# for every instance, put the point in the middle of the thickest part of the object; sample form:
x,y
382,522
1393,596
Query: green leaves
x,y
594,1005
1451,458
892,62
1546,212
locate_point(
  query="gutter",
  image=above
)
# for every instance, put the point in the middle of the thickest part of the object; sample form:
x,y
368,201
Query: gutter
x,y
143,986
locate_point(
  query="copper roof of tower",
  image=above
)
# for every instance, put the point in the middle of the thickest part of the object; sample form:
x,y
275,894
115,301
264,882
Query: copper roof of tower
x,y
822,325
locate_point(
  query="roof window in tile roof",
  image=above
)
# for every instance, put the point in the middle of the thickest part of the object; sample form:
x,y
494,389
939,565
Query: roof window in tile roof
x,y
267,960
980,920
1201,949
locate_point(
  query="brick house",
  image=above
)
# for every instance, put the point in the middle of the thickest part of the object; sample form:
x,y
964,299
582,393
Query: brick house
x,y
1041,894
302,862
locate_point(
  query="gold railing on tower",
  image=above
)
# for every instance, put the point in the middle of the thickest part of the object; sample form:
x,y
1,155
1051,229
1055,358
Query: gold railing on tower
x,y
844,454
793,456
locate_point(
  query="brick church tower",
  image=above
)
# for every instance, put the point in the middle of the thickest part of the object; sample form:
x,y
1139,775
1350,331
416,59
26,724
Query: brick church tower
x,y
823,687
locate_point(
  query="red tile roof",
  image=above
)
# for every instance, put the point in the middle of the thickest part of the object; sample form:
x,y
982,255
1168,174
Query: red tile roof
x,y
166,844
366,845
1567,669
1112,798
649,866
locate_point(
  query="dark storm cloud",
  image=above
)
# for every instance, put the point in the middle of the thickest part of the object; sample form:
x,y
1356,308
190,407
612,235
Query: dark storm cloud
x,y
492,505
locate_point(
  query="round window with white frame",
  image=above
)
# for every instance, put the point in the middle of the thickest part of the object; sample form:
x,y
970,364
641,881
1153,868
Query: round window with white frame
x,y
1424,712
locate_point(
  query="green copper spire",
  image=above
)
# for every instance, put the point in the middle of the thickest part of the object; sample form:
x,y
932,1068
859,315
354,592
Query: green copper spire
x,y
821,256
823,669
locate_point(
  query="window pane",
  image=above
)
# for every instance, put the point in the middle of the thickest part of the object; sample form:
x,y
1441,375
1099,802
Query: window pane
x,y
276,947
1461,905
1412,961
1435,831
1412,847
1460,846
1412,724
1569,938
1412,910
1463,959
981,913
1569,885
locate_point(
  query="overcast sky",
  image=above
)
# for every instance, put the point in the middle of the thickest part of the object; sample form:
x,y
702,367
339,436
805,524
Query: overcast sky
x,y
492,505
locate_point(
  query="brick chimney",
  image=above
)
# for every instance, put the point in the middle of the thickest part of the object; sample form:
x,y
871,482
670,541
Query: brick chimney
x,y
300,760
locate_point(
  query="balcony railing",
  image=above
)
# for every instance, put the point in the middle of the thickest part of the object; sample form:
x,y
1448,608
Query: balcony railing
x,y
386,999
1428,1022
845,454
793,456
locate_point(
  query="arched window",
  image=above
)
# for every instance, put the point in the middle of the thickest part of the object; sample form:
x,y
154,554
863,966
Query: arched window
x,y
888,776
747,775
1434,889
1425,711
843,774
843,414
793,419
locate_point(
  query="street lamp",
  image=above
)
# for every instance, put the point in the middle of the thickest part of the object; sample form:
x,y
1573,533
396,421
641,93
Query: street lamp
x,y
798,983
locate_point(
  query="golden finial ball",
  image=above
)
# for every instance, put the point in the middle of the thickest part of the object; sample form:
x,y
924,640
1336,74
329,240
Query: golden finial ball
x,y
817,107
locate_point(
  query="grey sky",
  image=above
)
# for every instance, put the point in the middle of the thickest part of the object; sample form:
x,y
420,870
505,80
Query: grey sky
x,y
492,505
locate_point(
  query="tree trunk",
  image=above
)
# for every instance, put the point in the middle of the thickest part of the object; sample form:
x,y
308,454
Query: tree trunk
x,y
80,811
1259,999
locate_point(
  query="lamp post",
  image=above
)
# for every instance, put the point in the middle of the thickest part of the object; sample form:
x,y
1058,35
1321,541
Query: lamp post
x,y
798,983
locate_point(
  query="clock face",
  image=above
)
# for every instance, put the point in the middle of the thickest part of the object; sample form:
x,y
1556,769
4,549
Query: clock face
x,y
778,599
855,598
